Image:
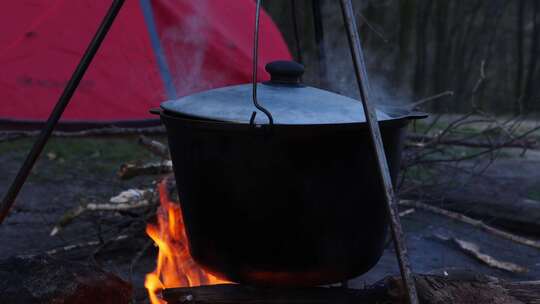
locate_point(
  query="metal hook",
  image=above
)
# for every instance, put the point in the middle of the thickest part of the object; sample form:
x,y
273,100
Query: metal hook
x,y
255,64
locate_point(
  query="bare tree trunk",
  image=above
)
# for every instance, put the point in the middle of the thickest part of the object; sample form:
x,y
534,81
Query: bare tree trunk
x,y
489,48
423,17
520,69
533,59
407,16
440,71
463,49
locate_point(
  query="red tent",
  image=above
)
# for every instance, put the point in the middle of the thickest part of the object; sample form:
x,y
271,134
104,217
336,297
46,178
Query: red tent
x,y
156,50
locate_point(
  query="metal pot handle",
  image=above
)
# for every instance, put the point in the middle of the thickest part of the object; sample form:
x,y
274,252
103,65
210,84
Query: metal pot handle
x,y
255,64
417,115
156,111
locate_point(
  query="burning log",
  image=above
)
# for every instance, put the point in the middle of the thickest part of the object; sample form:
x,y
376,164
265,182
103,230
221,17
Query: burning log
x,y
431,289
44,280
242,294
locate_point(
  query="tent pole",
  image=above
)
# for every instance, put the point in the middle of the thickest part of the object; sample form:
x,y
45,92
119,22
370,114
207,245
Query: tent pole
x,y
59,108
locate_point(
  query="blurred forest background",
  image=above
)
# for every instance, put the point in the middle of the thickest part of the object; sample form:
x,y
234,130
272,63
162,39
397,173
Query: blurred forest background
x,y
420,48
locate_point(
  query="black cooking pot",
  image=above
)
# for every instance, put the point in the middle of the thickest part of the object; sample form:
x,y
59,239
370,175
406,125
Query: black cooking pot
x,y
296,202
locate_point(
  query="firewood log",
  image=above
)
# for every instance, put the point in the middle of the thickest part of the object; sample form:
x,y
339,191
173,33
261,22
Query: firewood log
x,y
431,289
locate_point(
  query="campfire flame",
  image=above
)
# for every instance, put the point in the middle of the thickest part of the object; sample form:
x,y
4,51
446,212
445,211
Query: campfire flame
x,y
175,266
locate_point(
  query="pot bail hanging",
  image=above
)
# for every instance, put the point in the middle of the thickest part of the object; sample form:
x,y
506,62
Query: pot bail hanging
x,y
255,63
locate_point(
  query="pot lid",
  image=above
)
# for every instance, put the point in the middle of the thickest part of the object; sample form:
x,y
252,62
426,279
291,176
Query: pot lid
x,y
289,102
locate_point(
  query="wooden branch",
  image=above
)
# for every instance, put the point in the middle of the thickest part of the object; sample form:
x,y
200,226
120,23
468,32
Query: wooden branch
x,y
490,149
407,212
473,222
7,136
432,98
129,197
155,146
67,219
83,245
126,200
421,141
431,289
69,216
243,294
474,251
527,292
12,135
131,170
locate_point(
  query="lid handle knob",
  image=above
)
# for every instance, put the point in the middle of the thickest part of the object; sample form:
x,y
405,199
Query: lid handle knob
x,y
285,72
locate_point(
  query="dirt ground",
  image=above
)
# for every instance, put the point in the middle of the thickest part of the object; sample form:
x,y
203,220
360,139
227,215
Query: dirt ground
x,y
73,170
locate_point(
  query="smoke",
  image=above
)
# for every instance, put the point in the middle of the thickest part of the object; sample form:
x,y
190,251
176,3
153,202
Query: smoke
x,y
187,48
385,92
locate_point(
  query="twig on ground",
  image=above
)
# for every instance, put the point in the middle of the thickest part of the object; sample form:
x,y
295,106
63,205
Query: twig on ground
x,y
67,218
155,147
76,246
12,135
473,222
401,214
377,32
137,257
83,245
493,148
127,200
474,250
132,195
131,170
407,212
7,136
431,98
422,141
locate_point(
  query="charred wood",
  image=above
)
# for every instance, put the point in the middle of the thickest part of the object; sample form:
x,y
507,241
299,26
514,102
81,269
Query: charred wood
x,y
431,289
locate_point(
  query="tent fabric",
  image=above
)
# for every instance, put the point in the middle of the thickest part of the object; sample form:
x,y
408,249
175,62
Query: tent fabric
x,y
155,50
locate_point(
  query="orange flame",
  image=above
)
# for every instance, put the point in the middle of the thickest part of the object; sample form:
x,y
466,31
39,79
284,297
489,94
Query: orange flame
x,y
175,266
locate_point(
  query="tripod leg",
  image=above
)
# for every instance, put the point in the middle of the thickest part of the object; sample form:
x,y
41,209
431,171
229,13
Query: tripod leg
x,y
59,108
375,132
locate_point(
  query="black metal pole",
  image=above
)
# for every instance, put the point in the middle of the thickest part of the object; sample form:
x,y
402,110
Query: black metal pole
x,y
384,173
56,113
